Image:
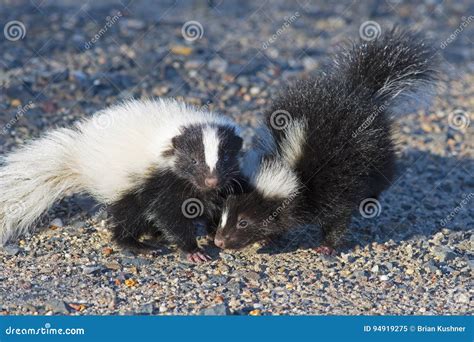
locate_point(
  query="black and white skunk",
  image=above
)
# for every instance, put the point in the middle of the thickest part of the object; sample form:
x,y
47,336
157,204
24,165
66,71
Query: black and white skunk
x,y
158,164
333,143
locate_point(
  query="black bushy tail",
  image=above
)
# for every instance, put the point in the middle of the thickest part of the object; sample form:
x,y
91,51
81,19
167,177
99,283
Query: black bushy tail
x,y
397,62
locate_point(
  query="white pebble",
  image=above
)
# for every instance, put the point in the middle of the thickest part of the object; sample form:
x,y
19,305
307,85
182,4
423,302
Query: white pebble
x,y
254,90
57,222
462,298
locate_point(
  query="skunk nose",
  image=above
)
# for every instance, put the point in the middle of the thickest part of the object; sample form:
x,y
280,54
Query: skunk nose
x,y
211,182
219,243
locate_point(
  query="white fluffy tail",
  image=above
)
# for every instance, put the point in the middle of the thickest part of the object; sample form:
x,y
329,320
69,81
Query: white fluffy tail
x,y
33,178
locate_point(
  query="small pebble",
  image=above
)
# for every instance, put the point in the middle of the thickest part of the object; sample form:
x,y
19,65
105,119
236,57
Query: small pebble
x,y
216,310
181,50
56,223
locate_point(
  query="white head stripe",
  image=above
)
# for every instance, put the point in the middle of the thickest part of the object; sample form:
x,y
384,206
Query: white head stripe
x,y
210,140
225,215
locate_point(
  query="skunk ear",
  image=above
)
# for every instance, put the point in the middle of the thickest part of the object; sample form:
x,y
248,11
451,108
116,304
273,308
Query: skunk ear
x,y
177,141
236,143
240,142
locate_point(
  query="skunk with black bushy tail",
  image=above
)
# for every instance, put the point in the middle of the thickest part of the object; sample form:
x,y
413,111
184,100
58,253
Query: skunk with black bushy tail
x,y
159,166
333,143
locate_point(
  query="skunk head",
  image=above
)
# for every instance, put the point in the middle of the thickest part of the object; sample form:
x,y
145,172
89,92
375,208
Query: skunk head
x,y
245,220
207,155
266,212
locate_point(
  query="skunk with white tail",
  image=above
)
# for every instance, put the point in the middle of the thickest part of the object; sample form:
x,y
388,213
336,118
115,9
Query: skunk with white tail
x,y
333,143
158,164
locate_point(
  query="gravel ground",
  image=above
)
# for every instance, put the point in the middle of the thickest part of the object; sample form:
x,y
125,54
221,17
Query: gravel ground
x,y
415,257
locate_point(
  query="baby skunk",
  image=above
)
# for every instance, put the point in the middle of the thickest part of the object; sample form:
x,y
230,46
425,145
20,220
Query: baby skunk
x,y
158,165
333,143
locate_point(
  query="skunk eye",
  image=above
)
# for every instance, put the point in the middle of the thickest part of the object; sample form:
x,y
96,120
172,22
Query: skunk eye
x,y
242,224
226,157
194,161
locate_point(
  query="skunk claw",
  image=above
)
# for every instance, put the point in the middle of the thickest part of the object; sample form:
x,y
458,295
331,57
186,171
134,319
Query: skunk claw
x,y
198,257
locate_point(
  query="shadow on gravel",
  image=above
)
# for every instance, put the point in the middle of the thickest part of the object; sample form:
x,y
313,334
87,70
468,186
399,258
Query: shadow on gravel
x,y
430,193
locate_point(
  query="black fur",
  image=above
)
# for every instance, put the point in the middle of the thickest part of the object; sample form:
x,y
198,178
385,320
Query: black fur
x,y
348,154
266,218
158,205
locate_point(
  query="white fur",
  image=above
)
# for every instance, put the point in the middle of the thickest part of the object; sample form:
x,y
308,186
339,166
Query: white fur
x,y
295,138
210,141
33,178
275,179
98,156
138,134
224,217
